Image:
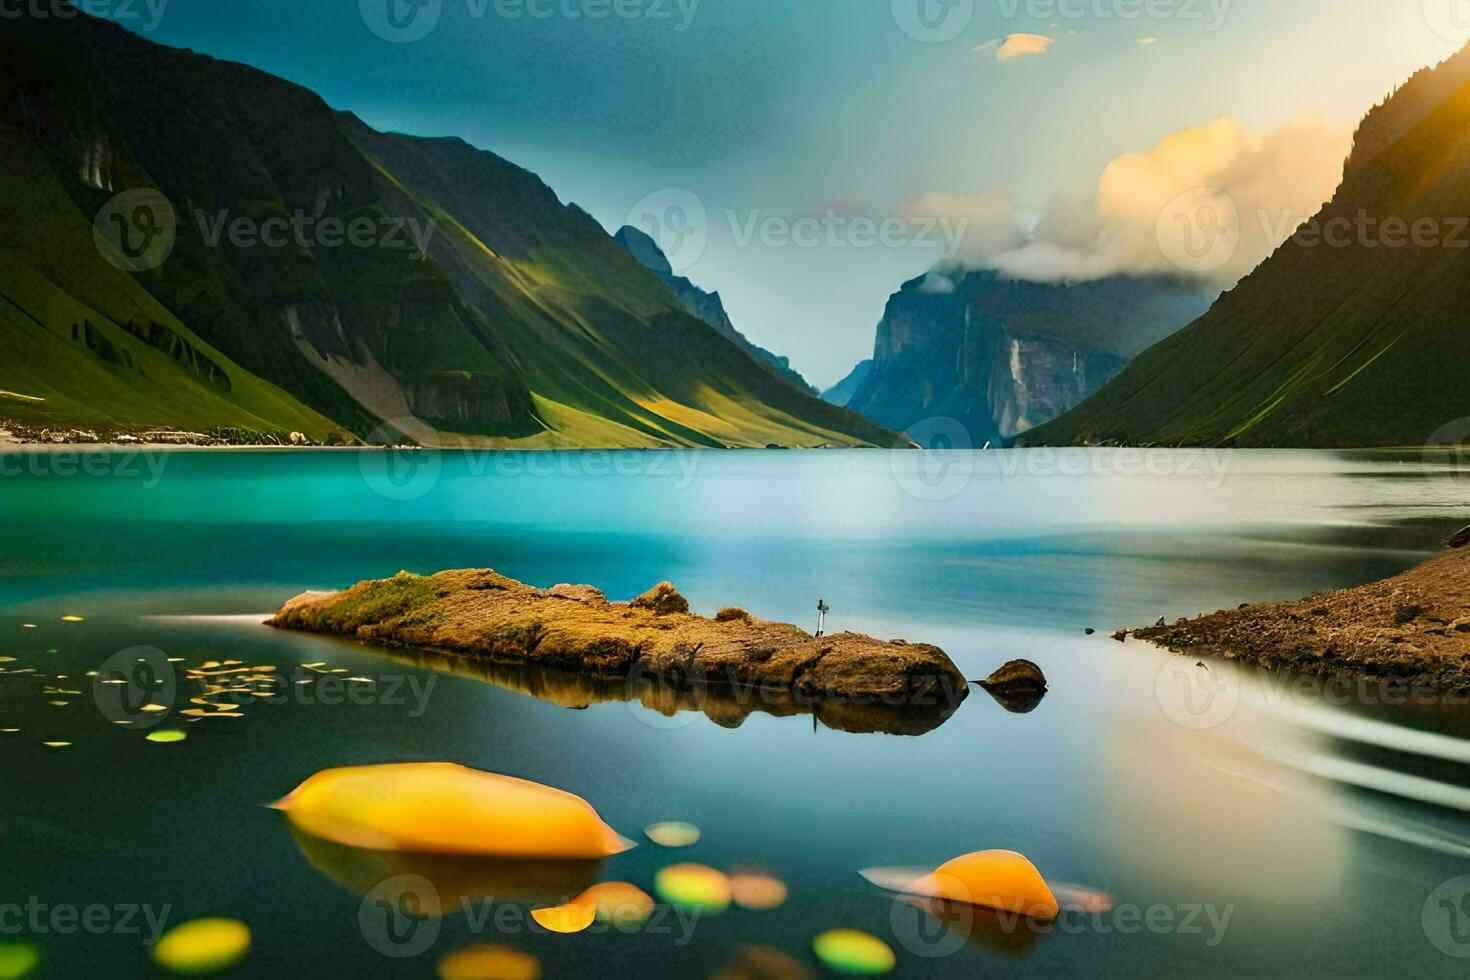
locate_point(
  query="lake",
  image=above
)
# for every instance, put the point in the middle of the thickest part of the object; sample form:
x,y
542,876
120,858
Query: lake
x,y
1236,823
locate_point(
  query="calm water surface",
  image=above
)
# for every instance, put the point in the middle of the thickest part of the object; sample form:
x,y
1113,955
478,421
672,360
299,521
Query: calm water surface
x,y
1273,830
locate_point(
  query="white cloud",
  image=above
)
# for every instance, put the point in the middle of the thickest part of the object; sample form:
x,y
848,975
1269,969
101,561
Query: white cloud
x,y
989,222
1271,182
1022,45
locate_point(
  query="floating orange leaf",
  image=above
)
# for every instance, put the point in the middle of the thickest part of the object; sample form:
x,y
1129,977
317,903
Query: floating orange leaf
x,y
479,962
441,808
575,916
757,891
694,886
1002,880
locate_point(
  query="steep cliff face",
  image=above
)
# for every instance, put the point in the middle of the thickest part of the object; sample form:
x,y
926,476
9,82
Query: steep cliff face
x,y
1348,335
474,302
702,305
1002,357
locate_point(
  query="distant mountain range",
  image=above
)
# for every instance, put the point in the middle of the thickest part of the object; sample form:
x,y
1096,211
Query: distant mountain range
x,y
1351,334
706,306
522,323
1001,356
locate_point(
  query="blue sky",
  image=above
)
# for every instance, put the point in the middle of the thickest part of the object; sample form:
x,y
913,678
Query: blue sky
x,y
789,108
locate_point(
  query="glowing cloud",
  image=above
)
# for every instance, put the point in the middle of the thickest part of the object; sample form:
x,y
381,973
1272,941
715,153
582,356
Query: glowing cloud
x,y
1256,187
1021,45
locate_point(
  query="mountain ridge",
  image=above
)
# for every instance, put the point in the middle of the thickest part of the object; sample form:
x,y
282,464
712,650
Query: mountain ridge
x,y
1325,346
706,306
525,324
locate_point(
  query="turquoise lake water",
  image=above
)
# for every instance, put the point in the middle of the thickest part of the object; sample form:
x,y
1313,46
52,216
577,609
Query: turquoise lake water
x,y
1266,828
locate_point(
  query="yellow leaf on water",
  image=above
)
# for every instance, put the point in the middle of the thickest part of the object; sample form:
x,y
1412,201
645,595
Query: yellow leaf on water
x,y
854,952
1002,880
167,736
575,916
30,626
441,808
154,709
673,834
203,946
480,962
18,960
757,891
57,745
625,906
694,886
73,619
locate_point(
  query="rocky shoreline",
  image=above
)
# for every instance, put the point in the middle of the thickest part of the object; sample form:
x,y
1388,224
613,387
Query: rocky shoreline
x,y
485,616
1412,629
16,434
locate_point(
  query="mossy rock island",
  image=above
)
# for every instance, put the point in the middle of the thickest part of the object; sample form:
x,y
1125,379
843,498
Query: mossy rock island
x,y
483,615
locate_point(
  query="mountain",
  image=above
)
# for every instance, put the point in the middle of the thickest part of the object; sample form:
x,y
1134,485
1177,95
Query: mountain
x,y
841,393
1348,344
1001,356
521,322
705,306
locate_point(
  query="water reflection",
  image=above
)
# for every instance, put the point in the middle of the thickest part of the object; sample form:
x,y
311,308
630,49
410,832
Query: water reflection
x,y
727,705
456,879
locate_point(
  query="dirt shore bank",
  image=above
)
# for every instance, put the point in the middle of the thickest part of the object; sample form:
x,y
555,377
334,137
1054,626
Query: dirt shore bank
x,y
1413,627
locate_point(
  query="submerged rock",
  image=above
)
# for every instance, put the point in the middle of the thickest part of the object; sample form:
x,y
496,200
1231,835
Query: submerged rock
x,y
1461,539
483,615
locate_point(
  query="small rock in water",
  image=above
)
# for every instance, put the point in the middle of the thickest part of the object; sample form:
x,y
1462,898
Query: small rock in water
x,y
1461,539
1161,623
1121,636
1090,631
1018,686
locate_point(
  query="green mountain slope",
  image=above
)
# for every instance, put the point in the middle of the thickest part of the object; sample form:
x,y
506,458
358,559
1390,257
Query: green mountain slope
x,y
524,324
1328,346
